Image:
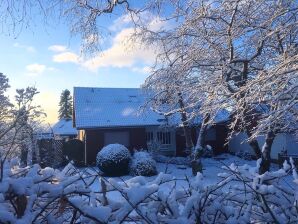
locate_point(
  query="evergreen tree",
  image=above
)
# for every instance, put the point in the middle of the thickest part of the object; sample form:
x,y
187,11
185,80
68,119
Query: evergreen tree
x,y
65,104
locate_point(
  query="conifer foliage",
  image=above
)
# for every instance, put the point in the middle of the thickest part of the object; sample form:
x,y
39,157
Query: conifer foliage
x,y
65,105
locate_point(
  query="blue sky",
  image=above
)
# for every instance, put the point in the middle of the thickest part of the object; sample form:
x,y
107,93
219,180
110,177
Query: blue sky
x,y
49,58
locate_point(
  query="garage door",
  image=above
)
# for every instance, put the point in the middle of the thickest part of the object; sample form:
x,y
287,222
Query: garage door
x,y
117,137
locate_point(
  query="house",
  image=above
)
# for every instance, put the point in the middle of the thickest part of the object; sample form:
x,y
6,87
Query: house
x,y
64,129
116,115
283,142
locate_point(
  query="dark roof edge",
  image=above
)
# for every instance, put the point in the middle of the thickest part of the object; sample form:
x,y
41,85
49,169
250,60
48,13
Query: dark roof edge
x,y
112,127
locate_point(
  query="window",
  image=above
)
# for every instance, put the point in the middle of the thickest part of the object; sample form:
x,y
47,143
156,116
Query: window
x,y
164,138
149,136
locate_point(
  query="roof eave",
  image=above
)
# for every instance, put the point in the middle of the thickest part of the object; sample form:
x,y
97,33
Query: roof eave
x,y
114,126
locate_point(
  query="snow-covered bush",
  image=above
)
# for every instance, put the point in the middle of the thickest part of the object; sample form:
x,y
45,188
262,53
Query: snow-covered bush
x,y
113,160
143,164
208,152
242,196
35,195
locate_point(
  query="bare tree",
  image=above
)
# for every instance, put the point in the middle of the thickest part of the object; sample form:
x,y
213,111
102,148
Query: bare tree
x,y
29,115
170,88
231,45
17,124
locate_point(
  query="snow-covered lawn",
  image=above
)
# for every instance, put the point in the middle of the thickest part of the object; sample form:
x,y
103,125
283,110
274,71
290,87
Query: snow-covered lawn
x,y
211,168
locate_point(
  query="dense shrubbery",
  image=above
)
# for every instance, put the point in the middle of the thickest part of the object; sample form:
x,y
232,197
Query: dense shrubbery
x,y
35,195
74,150
143,164
114,160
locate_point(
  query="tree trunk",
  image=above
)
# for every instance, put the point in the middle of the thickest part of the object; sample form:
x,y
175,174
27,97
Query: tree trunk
x,y
196,163
202,134
187,132
36,158
29,152
21,205
24,154
1,169
249,119
189,146
188,140
266,151
254,144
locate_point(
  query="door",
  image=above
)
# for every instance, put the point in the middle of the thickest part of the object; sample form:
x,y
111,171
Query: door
x,y
120,137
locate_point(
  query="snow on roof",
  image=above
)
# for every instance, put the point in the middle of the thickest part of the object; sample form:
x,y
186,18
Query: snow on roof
x,y
222,115
64,127
112,107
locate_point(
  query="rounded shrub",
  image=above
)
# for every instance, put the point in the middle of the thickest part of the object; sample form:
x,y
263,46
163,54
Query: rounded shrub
x,y
74,150
143,164
113,160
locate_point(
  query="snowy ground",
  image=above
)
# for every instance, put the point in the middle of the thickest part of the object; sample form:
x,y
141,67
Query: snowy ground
x,y
211,166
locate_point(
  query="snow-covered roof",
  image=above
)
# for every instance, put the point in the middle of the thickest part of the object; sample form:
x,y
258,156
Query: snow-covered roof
x,y
64,127
121,107
222,116
112,107
44,135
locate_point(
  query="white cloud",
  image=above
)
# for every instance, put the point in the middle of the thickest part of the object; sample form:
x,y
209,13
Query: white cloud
x,y
57,48
156,24
35,69
123,53
38,69
145,70
153,22
52,69
66,57
28,48
120,23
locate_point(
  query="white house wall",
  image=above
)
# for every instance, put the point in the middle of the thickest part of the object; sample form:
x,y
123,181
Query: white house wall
x,y
238,144
281,142
292,144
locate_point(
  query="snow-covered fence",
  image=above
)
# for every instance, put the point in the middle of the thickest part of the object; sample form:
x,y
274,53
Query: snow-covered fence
x,y
283,157
35,195
51,152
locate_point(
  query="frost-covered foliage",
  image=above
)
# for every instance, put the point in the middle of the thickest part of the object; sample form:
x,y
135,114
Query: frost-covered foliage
x,y
113,160
237,198
143,164
35,195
